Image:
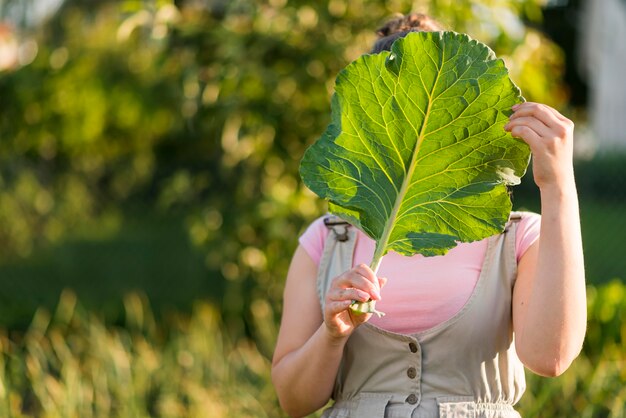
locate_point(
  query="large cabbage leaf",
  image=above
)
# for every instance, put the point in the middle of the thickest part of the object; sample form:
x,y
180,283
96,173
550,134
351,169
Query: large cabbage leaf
x,y
416,155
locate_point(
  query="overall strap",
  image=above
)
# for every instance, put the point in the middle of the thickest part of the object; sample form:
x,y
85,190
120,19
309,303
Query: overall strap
x,y
337,255
509,253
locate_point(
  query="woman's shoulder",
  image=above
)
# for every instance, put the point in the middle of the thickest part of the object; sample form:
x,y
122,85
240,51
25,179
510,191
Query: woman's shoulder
x,y
525,214
314,237
527,219
528,231
318,226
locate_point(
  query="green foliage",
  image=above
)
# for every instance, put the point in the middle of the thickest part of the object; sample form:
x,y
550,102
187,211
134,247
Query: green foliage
x,y
203,109
595,385
73,364
416,154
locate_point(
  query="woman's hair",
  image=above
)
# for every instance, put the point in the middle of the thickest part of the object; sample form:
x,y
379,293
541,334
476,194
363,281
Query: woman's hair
x,y
400,26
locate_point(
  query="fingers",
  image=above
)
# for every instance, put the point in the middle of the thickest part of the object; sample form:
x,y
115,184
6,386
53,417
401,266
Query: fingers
x,y
547,115
550,137
359,283
525,132
335,307
531,125
534,123
349,294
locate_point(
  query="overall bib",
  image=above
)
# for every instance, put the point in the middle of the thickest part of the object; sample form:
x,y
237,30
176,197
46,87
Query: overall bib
x,y
463,367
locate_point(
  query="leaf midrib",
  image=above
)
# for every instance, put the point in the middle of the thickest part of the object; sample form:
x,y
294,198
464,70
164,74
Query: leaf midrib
x,y
384,239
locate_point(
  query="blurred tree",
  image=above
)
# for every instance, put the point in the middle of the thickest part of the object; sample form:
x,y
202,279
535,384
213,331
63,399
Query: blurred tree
x,y
205,107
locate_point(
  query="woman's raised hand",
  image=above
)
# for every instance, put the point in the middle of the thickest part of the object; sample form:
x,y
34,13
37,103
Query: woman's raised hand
x,y
358,284
550,137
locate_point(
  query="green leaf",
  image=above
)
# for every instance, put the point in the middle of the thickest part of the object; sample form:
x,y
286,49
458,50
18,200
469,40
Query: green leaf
x,y
416,154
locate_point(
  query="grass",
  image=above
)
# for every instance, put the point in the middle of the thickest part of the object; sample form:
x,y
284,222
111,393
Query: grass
x,y
70,363
73,364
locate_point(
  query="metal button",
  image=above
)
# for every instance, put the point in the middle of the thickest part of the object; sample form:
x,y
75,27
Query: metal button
x,y
412,399
411,372
413,347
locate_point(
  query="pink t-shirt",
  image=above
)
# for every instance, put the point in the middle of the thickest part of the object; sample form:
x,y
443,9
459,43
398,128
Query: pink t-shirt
x,y
422,292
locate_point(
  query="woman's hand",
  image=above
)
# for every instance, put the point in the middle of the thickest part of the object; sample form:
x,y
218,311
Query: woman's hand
x,y
550,137
358,284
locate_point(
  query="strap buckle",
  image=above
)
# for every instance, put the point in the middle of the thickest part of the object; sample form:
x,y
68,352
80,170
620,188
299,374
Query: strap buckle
x,y
335,224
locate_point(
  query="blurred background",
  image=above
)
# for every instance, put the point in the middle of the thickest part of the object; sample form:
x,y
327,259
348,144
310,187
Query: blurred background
x,y
150,198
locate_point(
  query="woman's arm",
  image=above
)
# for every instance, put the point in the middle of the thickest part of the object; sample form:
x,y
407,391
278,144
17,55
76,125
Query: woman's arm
x,y
549,299
310,343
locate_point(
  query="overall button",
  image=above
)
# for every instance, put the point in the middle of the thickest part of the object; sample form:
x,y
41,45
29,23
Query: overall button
x,y
411,372
413,347
412,399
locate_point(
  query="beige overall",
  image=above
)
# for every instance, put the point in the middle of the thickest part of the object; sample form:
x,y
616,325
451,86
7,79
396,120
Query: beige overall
x,y
463,367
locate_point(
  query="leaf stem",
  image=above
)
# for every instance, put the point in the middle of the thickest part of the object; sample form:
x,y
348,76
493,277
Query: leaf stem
x,y
376,260
370,305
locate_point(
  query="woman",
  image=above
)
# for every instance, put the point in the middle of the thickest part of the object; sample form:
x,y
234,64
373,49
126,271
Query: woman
x,y
460,328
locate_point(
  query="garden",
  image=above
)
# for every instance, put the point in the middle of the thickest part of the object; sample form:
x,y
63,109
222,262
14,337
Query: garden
x,y
150,197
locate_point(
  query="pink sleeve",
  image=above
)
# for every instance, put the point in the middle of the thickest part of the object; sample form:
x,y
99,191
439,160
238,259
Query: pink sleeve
x,y
313,239
527,232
